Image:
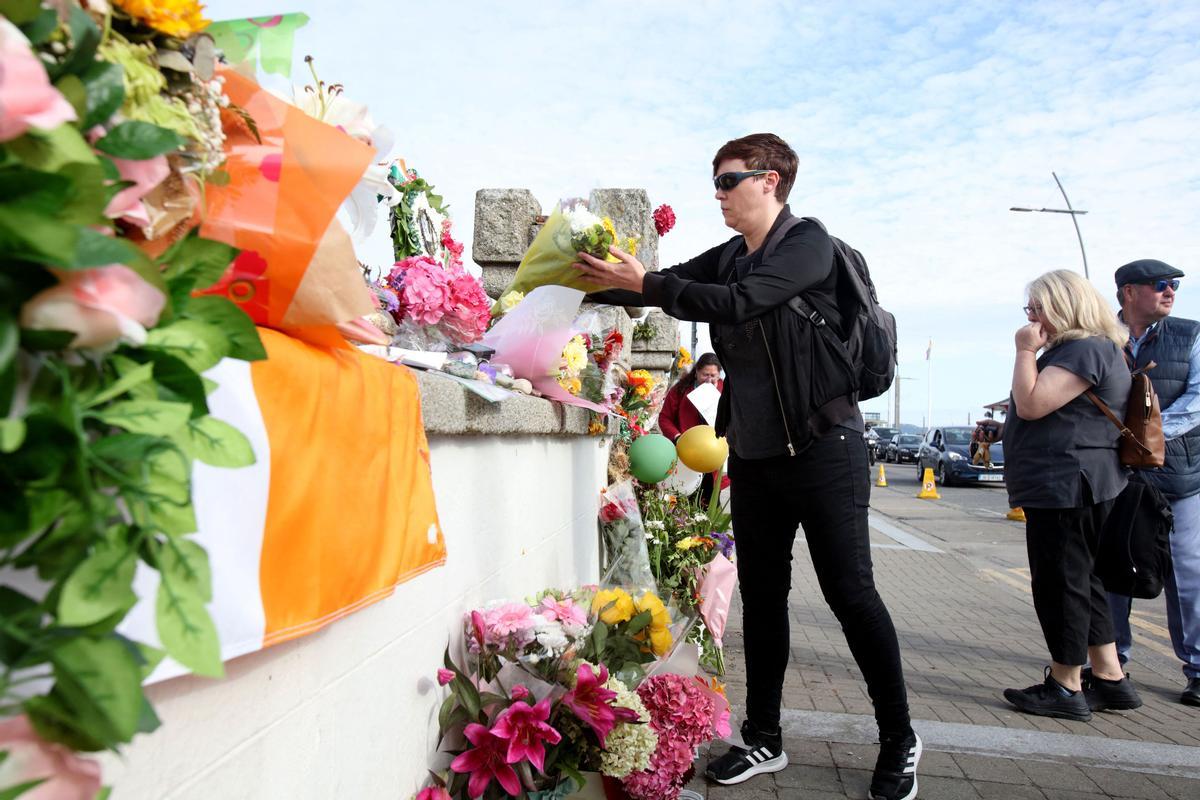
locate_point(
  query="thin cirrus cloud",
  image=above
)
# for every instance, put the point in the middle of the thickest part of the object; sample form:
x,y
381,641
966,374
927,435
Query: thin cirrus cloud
x,y
917,124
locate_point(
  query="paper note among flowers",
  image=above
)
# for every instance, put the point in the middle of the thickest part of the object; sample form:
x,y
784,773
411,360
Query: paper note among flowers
x,y
705,398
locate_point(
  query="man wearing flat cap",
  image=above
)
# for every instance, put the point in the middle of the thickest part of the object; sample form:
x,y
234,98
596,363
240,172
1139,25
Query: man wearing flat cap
x,y
1146,291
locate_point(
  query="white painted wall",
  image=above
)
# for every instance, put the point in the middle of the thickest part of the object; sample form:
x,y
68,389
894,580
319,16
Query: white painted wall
x,y
350,712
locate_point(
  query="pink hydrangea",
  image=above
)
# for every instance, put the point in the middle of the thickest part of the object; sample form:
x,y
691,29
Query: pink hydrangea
x,y
678,708
426,293
662,781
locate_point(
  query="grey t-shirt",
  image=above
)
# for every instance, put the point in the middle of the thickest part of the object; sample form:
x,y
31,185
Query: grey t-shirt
x,y
1048,459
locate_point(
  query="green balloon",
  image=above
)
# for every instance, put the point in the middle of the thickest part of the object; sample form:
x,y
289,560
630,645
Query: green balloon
x,y
651,458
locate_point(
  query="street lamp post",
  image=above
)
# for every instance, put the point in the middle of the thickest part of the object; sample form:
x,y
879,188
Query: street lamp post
x,y
1073,212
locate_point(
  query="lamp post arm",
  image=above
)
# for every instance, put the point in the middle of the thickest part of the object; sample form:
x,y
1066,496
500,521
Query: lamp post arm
x,y
1074,222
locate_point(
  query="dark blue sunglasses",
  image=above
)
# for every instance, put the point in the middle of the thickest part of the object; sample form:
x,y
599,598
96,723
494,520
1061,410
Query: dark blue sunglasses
x,y
1161,284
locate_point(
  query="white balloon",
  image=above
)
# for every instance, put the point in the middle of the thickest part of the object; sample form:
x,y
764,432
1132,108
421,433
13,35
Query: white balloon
x,y
682,480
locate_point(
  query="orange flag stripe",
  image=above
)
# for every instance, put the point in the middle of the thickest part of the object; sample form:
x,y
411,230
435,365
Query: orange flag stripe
x,y
351,510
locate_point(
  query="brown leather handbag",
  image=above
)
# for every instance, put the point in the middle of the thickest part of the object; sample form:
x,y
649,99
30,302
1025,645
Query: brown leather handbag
x,y
1142,443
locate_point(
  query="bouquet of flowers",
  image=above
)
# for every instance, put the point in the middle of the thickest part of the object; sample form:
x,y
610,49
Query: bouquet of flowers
x,y
570,230
547,693
626,558
435,307
584,369
688,545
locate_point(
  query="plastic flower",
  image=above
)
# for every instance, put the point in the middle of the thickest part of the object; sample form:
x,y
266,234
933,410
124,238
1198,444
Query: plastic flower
x,y
613,606
527,730
485,762
593,703
664,219
65,775
27,98
180,18
100,305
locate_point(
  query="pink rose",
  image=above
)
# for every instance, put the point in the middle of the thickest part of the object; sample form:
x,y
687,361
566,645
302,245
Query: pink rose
x,y
433,793
27,99
100,305
444,676
147,174
68,777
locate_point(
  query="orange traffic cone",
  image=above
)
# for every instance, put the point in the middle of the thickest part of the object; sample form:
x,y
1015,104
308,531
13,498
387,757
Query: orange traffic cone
x,y
928,487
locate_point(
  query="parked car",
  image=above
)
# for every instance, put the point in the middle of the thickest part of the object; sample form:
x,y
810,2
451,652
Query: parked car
x,y
877,445
947,451
903,449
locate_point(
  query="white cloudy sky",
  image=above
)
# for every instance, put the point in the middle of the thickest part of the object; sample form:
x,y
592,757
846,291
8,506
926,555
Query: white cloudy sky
x,y
918,124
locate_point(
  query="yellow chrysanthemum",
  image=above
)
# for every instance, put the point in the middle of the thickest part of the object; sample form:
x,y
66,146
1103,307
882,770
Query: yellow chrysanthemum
x,y
608,226
575,355
179,18
613,606
684,359
572,385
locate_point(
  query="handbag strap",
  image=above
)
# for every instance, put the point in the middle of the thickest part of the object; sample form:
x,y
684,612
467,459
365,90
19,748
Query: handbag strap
x,y
1104,409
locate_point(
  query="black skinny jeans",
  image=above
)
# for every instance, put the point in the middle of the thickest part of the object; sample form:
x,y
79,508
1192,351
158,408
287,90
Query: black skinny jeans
x,y
825,489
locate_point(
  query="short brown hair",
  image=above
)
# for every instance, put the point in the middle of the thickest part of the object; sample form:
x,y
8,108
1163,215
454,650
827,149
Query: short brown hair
x,y
763,151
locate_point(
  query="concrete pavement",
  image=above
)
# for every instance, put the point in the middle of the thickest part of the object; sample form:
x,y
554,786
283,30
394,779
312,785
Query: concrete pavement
x,y
954,575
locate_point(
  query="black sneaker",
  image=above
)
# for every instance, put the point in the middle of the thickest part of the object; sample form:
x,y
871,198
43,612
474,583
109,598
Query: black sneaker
x,y
1191,693
1104,695
895,775
763,753
1050,699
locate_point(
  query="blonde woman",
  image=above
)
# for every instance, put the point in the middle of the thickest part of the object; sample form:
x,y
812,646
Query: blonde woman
x,y
1062,468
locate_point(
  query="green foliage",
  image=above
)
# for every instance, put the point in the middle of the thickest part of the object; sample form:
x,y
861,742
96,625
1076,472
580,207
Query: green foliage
x,y
98,447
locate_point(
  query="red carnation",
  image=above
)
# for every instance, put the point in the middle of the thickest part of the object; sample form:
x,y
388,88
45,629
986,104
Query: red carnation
x,y
664,219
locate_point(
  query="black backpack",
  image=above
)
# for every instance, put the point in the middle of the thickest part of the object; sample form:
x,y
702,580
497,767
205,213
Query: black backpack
x,y
870,330
1134,553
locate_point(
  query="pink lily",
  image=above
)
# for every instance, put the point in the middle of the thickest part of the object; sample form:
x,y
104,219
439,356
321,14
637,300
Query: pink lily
x,y
433,793
444,676
485,761
592,703
527,731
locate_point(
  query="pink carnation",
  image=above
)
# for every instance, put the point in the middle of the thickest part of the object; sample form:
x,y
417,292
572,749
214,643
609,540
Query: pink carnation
x,y
565,611
664,219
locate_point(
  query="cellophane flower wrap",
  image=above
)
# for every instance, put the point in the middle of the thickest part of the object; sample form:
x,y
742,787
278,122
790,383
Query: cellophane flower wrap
x,y
571,229
585,368
626,558
683,538
435,307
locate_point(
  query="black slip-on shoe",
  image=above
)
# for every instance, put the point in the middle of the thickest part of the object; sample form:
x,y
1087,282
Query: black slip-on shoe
x,y
763,753
1191,693
1050,699
895,775
1104,695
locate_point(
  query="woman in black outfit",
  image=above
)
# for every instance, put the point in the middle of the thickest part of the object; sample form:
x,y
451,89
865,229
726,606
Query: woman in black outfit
x,y
1062,468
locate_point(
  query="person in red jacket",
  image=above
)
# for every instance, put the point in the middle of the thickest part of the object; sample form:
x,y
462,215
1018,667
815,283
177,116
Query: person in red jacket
x,y
678,413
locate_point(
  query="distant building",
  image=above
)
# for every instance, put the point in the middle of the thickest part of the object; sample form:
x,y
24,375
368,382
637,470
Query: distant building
x,y
1000,407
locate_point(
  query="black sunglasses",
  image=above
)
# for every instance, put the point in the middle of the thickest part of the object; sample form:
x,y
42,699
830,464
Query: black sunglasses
x,y
726,181
1161,284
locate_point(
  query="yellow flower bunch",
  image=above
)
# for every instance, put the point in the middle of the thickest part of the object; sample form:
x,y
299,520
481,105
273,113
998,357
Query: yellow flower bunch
x,y
572,385
608,226
684,359
659,628
574,356
693,541
631,245
180,18
613,606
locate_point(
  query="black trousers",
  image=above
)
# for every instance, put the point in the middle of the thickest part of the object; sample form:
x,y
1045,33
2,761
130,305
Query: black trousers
x,y
1070,600
826,490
